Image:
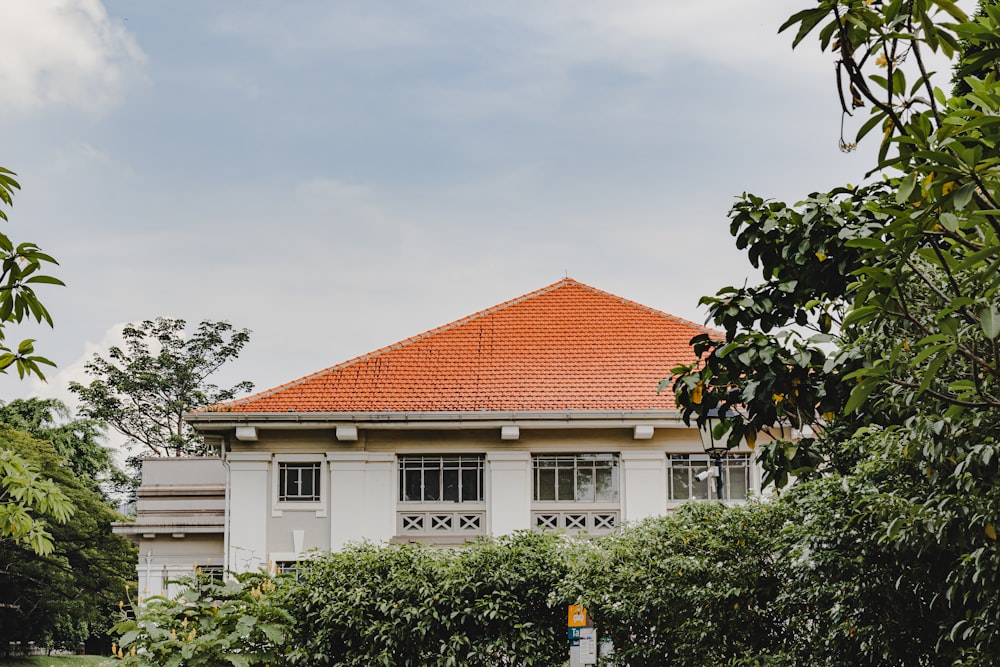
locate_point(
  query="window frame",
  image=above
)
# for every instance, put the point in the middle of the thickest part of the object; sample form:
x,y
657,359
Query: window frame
x,y
322,499
581,462
698,462
463,463
313,469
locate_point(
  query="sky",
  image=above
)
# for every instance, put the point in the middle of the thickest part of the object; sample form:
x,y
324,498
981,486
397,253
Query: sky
x,y
337,176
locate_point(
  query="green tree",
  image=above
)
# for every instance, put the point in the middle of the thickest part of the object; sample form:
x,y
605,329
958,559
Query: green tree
x,y
67,594
21,269
143,390
25,496
76,440
898,281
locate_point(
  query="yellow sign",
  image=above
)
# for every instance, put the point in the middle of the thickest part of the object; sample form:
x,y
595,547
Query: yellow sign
x,y
577,616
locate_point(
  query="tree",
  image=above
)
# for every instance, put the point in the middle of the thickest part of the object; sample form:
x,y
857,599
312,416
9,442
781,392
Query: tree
x,y
25,497
898,385
76,440
20,270
143,390
66,594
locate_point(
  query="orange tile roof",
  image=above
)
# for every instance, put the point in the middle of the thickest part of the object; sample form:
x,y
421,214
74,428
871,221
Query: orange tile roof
x,y
565,346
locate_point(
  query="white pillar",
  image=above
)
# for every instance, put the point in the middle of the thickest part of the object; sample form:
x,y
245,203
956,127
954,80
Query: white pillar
x,y
362,495
248,511
509,501
644,485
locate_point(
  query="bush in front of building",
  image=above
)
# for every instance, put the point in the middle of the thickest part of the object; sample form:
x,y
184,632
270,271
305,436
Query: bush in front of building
x,y
692,588
488,603
241,622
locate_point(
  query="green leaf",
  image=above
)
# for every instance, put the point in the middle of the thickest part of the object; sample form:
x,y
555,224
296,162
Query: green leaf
x,y
906,185
989,320
963,196
49,280
949,221
860,394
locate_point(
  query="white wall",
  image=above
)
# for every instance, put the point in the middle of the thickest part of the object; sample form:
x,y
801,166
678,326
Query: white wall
x,y
644,484
249,507
509,491
362,497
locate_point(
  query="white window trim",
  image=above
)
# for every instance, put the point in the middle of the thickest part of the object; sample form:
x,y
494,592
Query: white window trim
x,y
278,507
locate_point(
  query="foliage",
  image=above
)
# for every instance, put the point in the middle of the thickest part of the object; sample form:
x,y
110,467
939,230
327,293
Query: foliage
x,y
239,622
21,269
143,390
25,498
899,385
76,440
65,595
487,603
845,598
24,495
694,588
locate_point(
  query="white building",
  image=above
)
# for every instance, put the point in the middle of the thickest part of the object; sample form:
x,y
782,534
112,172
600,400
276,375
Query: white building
x,y
539,413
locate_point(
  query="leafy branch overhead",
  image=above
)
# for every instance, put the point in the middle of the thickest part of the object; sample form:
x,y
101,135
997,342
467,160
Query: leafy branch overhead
x,y
143,389
21,268
875,296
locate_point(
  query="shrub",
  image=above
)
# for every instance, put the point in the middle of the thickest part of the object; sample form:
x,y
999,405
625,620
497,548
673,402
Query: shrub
x,y
240,622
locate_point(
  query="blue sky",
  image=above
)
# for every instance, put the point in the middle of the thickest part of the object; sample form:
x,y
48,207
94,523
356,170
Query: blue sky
x,y
338,176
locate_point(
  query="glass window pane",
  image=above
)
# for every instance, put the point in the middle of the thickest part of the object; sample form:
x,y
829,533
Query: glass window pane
x,y
680,486
699,490
607,484
585,484
306,479
564,484
411,486
737,486
471,485
432,485
545,484
450,491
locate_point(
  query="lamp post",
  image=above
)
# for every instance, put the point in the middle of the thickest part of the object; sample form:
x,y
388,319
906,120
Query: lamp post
x,y
714,447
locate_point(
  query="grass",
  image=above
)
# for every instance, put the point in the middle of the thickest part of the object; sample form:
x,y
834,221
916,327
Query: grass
x,y
56,661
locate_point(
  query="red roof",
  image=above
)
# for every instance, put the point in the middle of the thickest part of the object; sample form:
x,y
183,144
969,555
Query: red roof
x,y
565,346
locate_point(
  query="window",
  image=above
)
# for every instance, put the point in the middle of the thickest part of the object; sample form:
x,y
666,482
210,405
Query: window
x,y
212,572
683,471
286,567
441,479
299,482
576,477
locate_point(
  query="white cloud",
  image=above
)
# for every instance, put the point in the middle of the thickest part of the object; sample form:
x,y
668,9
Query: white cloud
x,y
64,53
57,385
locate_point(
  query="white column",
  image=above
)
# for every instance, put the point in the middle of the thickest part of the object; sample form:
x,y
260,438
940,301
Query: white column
x,y
362,495
248,510
509,488
644,485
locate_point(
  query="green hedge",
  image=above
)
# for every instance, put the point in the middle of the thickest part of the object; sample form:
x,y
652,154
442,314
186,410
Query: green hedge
x,y
805,580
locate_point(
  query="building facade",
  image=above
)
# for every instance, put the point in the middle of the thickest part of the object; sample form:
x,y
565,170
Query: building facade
x,y
540,413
